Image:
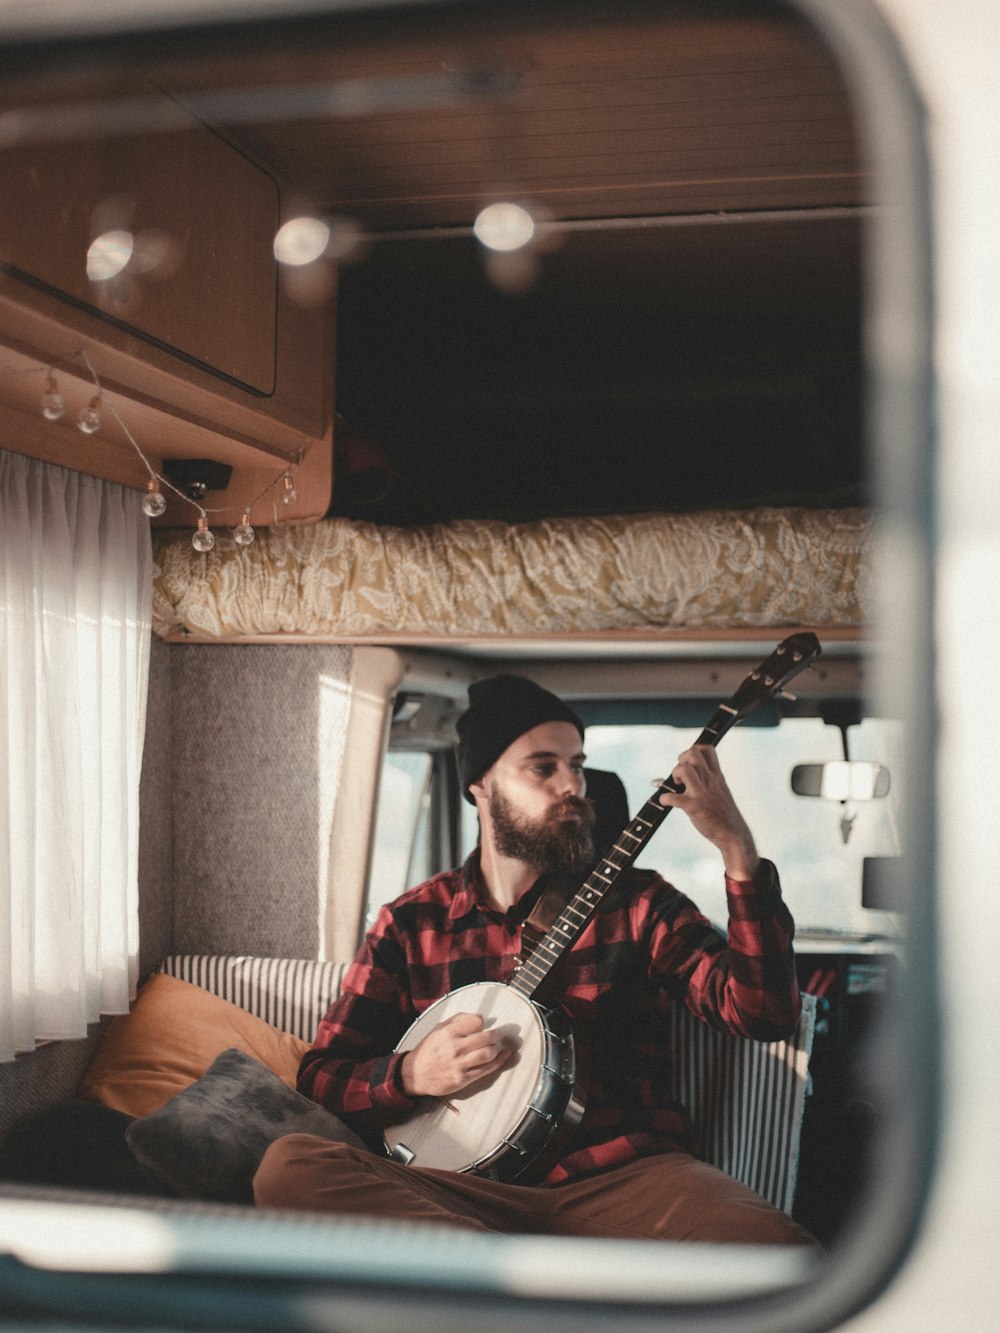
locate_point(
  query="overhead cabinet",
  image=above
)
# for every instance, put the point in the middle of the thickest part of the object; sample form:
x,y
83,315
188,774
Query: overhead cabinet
x,y
135,234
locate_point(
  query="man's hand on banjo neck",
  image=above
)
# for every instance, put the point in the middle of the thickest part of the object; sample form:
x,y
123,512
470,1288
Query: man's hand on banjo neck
x,y
454,1054
707,801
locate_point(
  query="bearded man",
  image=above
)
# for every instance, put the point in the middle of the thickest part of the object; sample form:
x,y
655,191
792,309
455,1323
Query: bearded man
x,y
630,1168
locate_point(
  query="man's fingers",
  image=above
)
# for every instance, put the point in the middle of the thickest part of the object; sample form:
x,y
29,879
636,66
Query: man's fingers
x,y
482,1068
463,1024
480,1048
471,1044
705,755
696,774
699,759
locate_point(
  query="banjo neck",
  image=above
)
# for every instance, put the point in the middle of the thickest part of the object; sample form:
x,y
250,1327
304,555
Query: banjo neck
x,y
791,656
572,920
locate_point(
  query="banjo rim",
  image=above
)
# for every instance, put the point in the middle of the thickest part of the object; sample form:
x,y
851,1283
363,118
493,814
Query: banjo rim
x,y
551,1097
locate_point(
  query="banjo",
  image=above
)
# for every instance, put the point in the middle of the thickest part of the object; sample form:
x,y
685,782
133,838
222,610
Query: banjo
x,y
509,1125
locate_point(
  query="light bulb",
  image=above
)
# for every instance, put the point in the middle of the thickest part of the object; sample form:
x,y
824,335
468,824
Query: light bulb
x,y
244,534
301,241
53,403
203,540
504,226
153,502
89,420
289,495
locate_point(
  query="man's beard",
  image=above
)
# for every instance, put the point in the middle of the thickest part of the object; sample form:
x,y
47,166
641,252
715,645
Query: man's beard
x,y
550,845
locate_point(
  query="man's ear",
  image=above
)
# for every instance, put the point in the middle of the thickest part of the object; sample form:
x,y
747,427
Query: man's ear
x,y
477,789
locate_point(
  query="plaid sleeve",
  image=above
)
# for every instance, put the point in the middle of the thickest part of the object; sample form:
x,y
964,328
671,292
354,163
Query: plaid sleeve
x,y
350,1067
745,984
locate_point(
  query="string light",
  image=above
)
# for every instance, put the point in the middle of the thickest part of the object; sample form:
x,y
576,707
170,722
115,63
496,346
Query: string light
x,y
53,403
154,502
244,534
89,418
203,538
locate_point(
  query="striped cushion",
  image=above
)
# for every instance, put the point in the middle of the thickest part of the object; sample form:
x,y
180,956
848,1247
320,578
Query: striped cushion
x,y
291,994
746,1099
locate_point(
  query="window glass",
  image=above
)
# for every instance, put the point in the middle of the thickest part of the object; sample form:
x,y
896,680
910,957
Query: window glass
x,y
818,845
400,853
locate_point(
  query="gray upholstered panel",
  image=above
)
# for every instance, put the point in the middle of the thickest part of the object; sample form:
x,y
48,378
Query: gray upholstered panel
x,y
39,1079
258,734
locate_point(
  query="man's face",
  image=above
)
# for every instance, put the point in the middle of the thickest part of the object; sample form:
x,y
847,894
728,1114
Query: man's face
x,y
535,799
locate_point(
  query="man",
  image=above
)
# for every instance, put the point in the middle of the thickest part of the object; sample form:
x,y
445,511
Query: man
x,y
629,1169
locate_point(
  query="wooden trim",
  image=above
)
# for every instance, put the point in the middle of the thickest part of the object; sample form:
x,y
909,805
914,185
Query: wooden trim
x,y
375,676
60,443
616,639
39,325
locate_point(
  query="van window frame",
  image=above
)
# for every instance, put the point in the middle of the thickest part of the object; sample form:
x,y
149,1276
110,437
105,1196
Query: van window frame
x,y
901,425
899,280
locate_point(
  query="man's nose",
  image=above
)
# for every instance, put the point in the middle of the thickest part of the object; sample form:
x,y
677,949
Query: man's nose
x,y
572,782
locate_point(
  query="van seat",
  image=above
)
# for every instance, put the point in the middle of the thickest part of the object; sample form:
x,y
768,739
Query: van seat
x,y
746,1098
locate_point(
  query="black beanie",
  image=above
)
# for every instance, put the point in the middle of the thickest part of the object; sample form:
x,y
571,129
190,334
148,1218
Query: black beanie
x,y
501,709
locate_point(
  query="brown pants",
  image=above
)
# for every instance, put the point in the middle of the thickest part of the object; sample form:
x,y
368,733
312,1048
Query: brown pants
x,y
668,1197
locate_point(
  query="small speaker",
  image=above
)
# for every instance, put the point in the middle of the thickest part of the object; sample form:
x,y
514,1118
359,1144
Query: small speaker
x,y
195,476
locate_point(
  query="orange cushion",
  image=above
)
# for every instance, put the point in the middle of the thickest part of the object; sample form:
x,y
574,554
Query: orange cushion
x,y
172,1034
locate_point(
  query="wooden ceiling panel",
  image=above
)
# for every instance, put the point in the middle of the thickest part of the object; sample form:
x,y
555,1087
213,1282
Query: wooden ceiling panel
x,y
592,119
588,144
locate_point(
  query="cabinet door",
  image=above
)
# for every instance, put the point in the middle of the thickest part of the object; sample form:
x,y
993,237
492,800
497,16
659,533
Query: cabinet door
x,y
190,220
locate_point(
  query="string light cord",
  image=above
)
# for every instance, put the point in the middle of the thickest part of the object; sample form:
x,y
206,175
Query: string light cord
x,y
89,422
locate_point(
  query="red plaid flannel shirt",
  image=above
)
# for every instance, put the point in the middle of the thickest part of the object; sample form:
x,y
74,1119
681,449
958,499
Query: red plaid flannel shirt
x,y
646,948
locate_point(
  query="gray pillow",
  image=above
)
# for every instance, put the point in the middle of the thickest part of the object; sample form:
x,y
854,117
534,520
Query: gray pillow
x,y
207,1142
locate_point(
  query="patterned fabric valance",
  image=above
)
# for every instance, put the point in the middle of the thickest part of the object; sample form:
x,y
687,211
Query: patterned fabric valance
x,y
715,568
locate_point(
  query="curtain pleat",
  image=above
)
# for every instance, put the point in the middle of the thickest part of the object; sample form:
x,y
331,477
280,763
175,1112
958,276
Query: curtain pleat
x,y
75,614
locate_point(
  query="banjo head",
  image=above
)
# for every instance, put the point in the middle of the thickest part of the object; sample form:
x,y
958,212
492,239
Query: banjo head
x,y
466,1130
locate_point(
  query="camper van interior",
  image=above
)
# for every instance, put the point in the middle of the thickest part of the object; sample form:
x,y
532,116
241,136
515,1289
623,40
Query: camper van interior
x,y
421,343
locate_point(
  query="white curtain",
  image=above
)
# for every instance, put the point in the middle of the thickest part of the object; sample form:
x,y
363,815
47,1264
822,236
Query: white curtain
x,y
75,614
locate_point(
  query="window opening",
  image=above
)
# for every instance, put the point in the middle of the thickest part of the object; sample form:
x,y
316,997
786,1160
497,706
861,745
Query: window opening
x,y
401,847
821,872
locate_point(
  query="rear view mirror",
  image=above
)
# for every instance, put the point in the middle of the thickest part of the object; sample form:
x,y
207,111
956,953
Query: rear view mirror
x,y
841,780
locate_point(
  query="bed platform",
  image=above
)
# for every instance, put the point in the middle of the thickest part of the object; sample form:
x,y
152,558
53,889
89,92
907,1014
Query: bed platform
x,y
627,575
